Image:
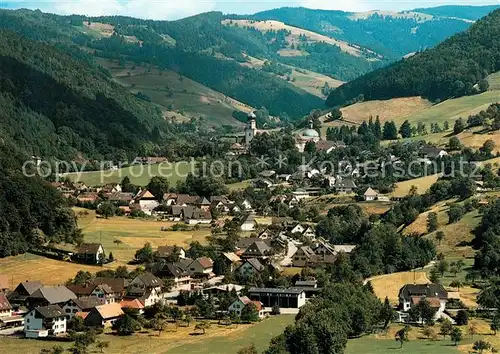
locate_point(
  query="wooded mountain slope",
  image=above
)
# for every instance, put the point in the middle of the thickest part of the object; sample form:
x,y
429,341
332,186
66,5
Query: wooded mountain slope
x,y
53,105
449,70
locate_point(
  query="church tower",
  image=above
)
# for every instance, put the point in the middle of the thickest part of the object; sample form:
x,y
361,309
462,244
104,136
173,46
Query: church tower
x,y
251,128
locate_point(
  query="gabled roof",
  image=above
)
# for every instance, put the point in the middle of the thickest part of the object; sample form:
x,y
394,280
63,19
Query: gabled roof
x,y
258,248
144,194
255,264
92,248
245,242
109,310
370,193
324,145
205,262
4,303
118,285
308,252
202,201
87,302
165,251
186,199
132,304
149,280
51,311
427,290
174,270
345,183
120,196
54,294
31,286
245,300
231,256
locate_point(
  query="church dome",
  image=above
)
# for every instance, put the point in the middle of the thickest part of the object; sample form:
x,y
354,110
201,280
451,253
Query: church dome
x,y
310,133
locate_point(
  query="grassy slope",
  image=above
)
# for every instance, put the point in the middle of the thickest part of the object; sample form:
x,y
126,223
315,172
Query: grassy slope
x,y
190,98
218,339
138,174
133,233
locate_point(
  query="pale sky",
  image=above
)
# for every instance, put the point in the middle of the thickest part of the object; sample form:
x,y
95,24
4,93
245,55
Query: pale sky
x,y
174,9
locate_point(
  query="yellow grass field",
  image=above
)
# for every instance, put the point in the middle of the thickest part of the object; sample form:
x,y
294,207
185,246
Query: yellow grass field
x,y
423,184
397,108
388,285
133,233
419,226
218,339
271,25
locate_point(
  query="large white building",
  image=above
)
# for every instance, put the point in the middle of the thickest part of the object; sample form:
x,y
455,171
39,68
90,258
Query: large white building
x,y
45,321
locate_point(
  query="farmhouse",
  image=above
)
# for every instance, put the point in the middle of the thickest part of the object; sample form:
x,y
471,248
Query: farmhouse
x,y
7,317
45,321
249,267
412,294
23,290
90,253
104,315
344,186
248,223
147,288
146,201
370,195
239,304
231,260
180,276
284,298
258,249
303,256
132,304
166,252
83,304
50,295
201,267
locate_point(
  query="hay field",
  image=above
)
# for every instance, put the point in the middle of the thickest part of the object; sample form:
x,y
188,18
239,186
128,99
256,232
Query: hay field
x,y
394,109
389,284
423,184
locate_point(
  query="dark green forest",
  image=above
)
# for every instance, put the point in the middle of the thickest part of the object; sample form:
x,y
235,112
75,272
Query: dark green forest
x,y
452,69
52,105
388,36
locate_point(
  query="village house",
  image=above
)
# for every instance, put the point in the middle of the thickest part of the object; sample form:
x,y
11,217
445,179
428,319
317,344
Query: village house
x,y
258,249
194,215
120,198
87,197
50,295
110,188
325,146
82,304
203,204
202,267
165,252
132,304
303,257
21,293
344,186
146,201
7,316
249,267
245,242
90,253
248,223
370,195
45,321
149,160
147,288
412,294
292,298
232,260
246,205
104,315
430,152
239,304
266,234
180,277
218,290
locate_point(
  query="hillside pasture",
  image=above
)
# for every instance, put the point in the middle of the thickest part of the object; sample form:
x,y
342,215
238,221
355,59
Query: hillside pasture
x,y
174,340
138,174
179,96
423,184
394,109
494,81
388,285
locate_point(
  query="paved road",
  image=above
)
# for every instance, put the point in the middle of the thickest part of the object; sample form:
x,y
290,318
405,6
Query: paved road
x,y
292,248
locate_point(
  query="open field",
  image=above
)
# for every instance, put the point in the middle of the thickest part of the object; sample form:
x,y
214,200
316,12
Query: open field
x,y
419,226
397,108
312,37
423,184
388,285
452,109
420,17
133,233
240,185
218,339
138,174
494,81
179,96
312,82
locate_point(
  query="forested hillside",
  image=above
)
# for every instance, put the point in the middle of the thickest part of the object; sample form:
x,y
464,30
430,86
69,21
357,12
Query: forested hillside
x,y
457,67
52,105
388,33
